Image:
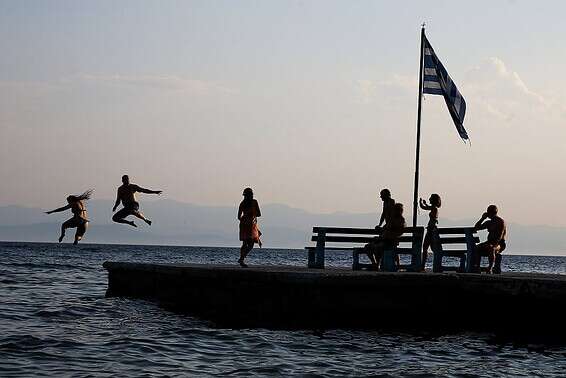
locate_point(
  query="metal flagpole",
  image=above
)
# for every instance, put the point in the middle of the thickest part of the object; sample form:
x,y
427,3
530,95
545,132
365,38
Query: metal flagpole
x,y
416,186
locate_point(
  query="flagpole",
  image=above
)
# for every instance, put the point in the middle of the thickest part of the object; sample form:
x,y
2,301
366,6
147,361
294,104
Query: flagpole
x,y
418,149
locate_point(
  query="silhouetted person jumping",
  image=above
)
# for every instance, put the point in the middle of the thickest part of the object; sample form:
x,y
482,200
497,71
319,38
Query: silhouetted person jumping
x,y
435,203
79,219
248,212
495,244
127,195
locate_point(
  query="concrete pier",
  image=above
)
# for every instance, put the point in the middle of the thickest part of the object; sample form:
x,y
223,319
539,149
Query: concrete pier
x,y
301,298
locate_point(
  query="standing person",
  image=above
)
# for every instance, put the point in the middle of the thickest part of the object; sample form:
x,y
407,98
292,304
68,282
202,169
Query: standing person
x,y
79,219
435,203
495,244
127,195
248,212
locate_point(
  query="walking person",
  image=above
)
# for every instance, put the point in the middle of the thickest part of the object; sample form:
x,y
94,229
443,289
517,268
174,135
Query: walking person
x,y
127,195
248,212
431,227
79,219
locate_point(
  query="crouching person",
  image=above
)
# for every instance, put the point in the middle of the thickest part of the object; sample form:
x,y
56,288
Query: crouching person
x,y
495,243
389,237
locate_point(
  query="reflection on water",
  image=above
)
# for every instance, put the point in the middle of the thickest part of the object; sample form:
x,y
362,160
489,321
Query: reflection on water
x,y
55,320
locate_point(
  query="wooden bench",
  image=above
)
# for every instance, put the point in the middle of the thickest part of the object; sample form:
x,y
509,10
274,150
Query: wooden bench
x,y
354,237
453,236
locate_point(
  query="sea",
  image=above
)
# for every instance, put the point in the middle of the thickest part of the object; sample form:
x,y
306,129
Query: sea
x,y
56,321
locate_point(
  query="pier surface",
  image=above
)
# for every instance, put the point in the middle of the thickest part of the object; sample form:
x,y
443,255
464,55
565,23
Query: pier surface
x,y
295,297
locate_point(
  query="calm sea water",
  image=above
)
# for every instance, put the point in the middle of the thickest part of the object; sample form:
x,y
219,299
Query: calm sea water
x,y
55,321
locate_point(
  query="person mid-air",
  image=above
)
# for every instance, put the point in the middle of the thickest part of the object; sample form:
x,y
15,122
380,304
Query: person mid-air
x,y
127,195
79,219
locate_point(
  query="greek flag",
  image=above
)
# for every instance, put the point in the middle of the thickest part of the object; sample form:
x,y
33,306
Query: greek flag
x,y
437,82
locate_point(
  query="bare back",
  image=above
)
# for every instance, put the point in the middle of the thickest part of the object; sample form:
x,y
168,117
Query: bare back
x,y
496,230
387,212
127,194
79,210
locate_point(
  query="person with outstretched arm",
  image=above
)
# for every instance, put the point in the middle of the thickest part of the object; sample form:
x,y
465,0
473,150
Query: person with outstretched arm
x,y
127,195
79,220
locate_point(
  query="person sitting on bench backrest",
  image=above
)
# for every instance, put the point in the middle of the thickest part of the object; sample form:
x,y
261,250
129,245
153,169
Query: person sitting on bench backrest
x,y
388,204
386,214
495,243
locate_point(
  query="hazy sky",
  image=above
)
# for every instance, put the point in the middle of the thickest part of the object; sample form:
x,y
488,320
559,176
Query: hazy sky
x,y
312,103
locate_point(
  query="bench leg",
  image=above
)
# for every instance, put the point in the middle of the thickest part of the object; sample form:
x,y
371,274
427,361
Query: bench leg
x,y
355,259
497,266
437,262
311,259
463,260
319,258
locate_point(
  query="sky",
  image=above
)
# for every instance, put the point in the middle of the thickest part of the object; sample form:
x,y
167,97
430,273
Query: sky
x,y
311,103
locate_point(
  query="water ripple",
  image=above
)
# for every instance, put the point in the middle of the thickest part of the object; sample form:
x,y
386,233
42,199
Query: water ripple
x,y
55,321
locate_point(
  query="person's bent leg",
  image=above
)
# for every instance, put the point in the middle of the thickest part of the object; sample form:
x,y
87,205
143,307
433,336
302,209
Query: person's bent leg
x,y
491,259
67,224
369,250
81,229
138,214
378,253
497,266
120,216
482,249
63,228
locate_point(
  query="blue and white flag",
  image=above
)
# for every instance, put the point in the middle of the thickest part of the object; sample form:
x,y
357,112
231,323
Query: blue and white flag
x,y
436,81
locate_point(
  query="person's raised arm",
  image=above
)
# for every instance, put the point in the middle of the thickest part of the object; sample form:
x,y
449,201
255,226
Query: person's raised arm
x,y
424,205
59,209
117,203
479,224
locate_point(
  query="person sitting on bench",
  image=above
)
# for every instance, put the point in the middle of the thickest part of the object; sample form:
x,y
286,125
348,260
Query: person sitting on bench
x,y
495,243
389,238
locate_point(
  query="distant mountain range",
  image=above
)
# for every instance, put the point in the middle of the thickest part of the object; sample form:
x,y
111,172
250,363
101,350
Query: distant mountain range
x,y
177,223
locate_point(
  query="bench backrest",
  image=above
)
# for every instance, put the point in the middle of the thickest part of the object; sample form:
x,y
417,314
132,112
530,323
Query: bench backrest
x,y
359,235
454,235
462,242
